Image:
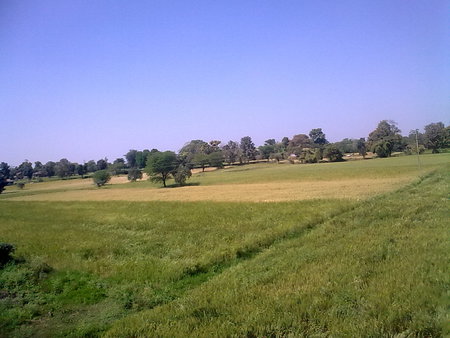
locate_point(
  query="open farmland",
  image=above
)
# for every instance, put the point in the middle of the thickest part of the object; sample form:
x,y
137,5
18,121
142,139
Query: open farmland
x,y
250,183
353,249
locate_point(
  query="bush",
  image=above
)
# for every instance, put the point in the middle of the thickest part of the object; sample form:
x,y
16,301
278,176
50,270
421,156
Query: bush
x,y
182,174
5,252
134,174
332,153
412,149
101,177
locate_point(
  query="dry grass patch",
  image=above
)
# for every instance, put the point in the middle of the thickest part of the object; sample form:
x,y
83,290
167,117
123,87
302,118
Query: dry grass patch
x,y
258,192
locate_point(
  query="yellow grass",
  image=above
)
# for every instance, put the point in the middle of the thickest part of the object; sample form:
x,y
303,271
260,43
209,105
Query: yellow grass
x,y
258,192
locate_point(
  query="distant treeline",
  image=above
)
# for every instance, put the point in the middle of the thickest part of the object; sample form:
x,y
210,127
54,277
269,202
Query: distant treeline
x,y
311,148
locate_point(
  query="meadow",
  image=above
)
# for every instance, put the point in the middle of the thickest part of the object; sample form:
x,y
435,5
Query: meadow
x,y
345,249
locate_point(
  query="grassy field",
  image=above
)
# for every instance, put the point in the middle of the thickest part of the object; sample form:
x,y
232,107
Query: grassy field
x,y
367,262
251,183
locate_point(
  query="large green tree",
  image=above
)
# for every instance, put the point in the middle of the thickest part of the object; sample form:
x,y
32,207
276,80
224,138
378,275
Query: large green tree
x,y
384,138
318,137
131,158
231,152
101,177
332,153
248,148
436,136
4,175
161,165
25,169
192,148
298,143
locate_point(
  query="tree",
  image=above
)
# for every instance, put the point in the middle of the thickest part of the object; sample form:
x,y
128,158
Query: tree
x,y
134,174
91,166
4,175
201,160
80,169
248,148
192,148
141,158
347,145
436,136
332,153
26,169
181,174
318,137
231,152
384,138
361,145
131,158
62,168
50,168
5,170
161,165
117,167
215,159
298,143
214,146
39,170
102,164
101,177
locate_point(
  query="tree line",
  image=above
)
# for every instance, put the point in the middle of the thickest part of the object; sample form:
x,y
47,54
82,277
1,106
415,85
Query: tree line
x,y
303,148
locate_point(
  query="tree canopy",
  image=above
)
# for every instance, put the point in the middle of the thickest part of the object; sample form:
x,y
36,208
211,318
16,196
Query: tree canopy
x,y
161,165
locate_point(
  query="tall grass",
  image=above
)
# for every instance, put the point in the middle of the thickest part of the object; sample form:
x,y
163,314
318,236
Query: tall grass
x,y
334,267
379,269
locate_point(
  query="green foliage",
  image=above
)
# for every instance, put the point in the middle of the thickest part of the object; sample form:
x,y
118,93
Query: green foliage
x,y
412,149
161,165
310,268
277,157
215,159
4,175
318,137
6,250
437,136
298,143
134,174
385,138
332,153
182,174
377,270
232,152
131,158
248,148
101,177
361,146
382,148
200,160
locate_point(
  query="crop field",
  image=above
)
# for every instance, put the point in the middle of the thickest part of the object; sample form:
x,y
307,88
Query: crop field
x,y
250,183
358,248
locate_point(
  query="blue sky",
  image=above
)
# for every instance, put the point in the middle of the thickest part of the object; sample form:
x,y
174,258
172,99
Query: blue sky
x,y
89,79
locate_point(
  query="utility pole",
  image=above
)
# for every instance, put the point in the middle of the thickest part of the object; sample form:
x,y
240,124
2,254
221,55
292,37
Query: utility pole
x,y
417,149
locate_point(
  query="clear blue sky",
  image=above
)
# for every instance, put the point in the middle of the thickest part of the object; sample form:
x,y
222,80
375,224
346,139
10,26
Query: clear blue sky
x,y
89,79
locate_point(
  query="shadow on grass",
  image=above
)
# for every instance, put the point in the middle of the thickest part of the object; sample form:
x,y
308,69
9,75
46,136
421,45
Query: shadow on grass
x,y
176,185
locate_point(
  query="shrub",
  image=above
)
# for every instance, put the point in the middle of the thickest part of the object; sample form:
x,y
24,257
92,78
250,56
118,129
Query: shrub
x,y
412,149
332,153
182,174
134,174
6,250
101,177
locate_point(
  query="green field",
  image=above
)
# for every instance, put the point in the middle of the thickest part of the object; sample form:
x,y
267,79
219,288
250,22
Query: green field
x,y
355,249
